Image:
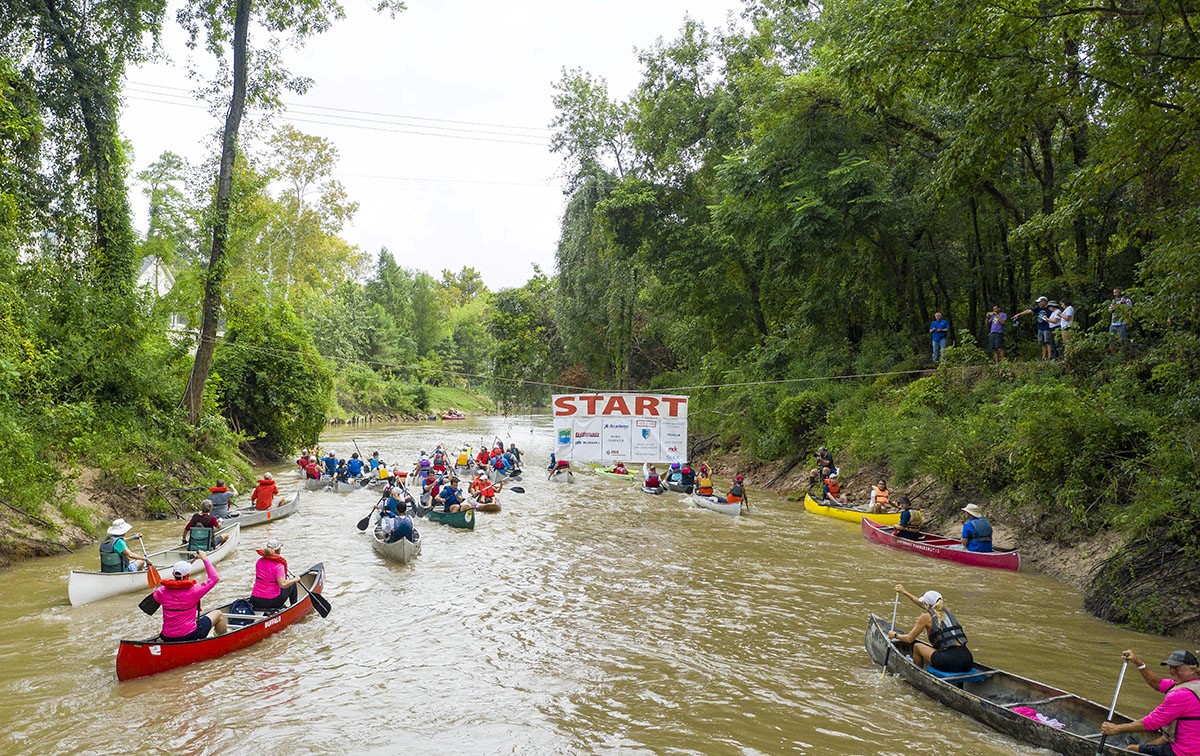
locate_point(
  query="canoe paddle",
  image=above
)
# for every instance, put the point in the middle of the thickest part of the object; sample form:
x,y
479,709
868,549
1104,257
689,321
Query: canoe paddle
x,y
1111,709
364,522
149,605
153,579
888,655
515,489
319,602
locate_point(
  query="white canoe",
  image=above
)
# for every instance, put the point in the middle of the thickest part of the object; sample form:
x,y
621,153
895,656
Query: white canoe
x,y
402,551
85,586
316,484
248,518
562,476
715,504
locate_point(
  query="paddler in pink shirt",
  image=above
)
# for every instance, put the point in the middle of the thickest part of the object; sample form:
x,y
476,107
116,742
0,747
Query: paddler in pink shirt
x,y
180,600
272,586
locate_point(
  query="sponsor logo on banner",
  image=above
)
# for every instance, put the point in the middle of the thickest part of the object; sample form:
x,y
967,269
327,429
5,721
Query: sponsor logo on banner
x,y
564,436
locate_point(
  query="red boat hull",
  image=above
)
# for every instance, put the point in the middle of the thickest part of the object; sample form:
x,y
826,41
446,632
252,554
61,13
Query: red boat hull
x,y
940,547
144,658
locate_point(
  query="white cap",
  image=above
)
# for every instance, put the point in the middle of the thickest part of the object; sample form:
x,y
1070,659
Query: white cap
x,y
268,476
930,598
181,569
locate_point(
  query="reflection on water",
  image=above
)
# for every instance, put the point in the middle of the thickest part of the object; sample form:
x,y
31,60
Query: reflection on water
x,y
582,619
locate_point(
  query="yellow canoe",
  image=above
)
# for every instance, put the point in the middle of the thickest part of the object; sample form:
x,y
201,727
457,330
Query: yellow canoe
x,y
849,515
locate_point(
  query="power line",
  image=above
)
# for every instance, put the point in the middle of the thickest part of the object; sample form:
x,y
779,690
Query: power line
x,y
296,357
294,119
188,93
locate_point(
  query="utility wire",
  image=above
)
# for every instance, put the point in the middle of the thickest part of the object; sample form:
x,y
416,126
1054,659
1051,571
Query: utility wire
x,y
294,119
299,359
188,93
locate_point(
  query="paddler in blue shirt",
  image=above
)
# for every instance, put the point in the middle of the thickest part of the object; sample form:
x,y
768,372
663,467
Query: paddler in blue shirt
x,y
977,531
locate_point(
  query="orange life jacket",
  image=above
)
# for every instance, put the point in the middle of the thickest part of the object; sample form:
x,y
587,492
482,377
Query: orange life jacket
x,y
881,496
487,490
834,487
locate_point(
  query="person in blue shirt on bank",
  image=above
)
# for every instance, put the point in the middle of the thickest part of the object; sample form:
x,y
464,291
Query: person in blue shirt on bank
x,y
1045,336
939,332
977,531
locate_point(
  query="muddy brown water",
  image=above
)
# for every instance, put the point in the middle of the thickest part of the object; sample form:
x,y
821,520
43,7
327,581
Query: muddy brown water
x,y
585,618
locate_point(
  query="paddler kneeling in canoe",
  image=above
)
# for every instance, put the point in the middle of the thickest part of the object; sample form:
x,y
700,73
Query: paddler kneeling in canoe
x,y
947,647
180,599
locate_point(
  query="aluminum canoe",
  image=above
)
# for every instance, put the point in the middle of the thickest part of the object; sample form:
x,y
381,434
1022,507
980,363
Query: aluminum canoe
x,y
85,586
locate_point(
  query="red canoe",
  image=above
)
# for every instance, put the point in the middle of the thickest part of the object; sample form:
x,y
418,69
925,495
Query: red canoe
x,y
940,547
149,657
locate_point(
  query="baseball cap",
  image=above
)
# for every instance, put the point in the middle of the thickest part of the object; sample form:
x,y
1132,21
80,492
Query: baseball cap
x,y
1181,657
181,569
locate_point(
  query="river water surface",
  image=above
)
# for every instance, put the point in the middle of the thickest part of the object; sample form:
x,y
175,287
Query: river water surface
x,y
585,618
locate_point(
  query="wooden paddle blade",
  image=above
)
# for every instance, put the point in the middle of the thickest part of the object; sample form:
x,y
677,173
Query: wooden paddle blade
x,y
153,579
515,489
149,605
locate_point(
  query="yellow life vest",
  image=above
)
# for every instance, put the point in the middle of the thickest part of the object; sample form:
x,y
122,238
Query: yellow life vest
x,y
704,486
915,519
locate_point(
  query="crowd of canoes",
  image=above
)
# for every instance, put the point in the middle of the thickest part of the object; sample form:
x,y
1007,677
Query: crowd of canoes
x,y
451,486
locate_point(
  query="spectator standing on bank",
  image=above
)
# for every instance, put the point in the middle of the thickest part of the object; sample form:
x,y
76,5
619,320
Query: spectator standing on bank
x,y
939,332
995,322
1120,307
1041,314
1066,322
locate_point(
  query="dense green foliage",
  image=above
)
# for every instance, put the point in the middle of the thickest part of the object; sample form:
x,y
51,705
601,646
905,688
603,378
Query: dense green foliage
x,y
789,201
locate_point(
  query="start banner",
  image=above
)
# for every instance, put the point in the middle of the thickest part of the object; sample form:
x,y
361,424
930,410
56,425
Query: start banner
x,y
612,428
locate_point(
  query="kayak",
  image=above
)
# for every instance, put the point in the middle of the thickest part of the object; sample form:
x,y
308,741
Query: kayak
x,y
562,476
655,491
993,697
251,517
716,504
608,473
402,551
85,586
149,657
491,508
940,547
850,514
463,518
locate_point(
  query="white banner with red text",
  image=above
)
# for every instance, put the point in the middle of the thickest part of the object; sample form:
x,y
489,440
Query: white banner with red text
x,y
611,428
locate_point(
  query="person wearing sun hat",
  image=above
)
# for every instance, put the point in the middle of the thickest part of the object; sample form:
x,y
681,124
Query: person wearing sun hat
x,y
1178,716
947,647
180,600
977,531
115,555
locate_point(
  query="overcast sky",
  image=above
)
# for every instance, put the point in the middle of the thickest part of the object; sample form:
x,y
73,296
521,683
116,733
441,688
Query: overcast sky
x,y
440,117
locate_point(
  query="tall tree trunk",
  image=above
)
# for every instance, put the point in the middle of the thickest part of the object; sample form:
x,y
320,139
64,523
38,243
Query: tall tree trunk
x,y
111,262
193,395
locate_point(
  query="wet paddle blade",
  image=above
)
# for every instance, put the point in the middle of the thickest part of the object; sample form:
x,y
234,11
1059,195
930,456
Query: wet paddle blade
x,y
153,579
364,522
149,605
515,489
320,603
